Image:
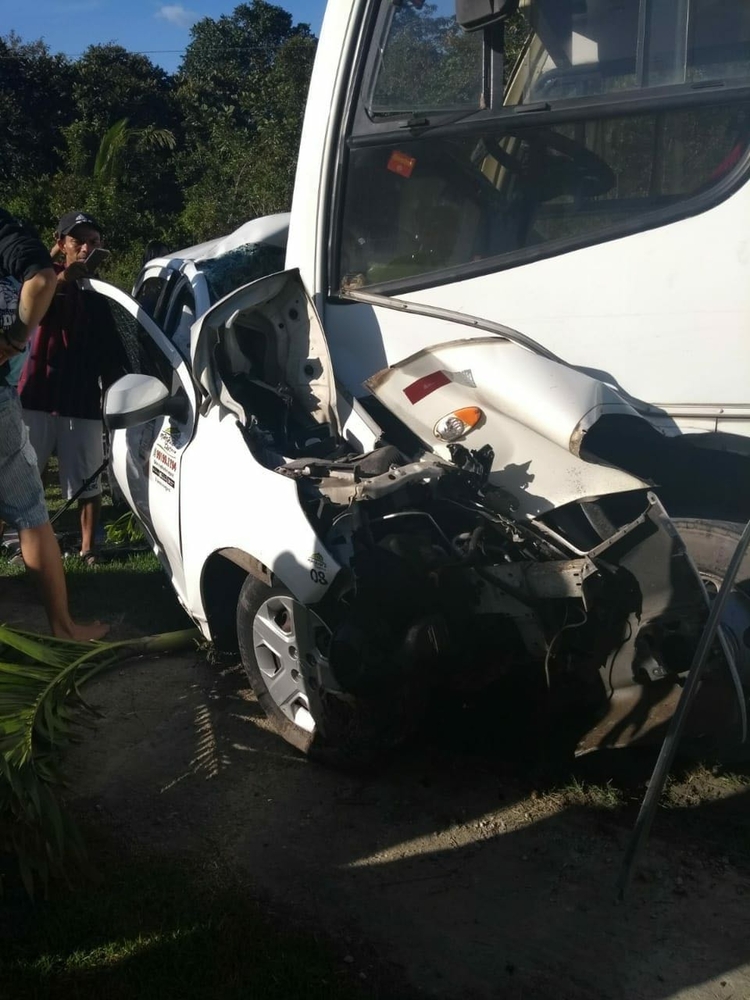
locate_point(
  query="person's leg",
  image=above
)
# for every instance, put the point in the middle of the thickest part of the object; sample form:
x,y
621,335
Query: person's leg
x,y
41,553
80,453
22,505
42,428
90,510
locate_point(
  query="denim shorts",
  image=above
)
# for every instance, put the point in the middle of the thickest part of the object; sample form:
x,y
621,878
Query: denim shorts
x,y
21,492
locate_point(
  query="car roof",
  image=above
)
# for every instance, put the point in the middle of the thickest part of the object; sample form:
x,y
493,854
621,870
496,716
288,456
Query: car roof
x,y
270,229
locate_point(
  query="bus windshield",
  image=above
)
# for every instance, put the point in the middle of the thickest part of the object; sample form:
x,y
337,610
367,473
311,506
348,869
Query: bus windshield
x,y
562,50
572,122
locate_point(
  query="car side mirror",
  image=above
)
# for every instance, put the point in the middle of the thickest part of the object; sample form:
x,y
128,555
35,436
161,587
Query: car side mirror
x,y
136,399
475,14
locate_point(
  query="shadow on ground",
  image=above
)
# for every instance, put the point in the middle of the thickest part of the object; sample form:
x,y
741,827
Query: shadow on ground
x,y
477,873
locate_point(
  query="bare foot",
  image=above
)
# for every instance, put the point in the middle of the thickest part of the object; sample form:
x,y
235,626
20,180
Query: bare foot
x,y
82,633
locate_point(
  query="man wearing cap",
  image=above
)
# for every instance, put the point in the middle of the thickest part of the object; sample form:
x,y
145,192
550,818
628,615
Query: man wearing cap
x,y
26,298
60,387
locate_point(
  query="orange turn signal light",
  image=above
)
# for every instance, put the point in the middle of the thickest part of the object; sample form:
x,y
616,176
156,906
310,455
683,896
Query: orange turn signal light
x,y
455,425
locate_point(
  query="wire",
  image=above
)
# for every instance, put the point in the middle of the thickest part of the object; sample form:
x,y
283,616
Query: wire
x,y
13,54
555,637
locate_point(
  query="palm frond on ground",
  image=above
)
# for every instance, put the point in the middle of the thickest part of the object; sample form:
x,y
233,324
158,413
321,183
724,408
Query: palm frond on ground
x,y
40,707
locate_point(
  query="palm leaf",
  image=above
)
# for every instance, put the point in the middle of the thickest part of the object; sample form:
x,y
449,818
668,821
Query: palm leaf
x,y
40,712
109,156
110,149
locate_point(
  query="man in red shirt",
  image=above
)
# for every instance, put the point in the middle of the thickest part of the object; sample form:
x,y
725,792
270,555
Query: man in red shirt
x,y
23,258
61,385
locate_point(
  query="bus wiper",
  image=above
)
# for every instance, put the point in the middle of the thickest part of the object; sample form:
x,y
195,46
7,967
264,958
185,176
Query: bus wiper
x,y
426,121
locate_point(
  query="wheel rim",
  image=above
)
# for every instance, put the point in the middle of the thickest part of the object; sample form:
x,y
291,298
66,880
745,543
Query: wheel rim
x,y
291,644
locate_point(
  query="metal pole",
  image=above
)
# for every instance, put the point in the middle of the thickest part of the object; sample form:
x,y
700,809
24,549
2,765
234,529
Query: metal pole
x,y
84,486
677,724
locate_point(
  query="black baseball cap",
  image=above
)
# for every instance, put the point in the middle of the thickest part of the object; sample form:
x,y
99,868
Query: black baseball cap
x,y
70,220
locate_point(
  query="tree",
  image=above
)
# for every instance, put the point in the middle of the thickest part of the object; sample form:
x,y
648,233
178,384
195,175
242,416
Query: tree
x,y
183,157
33,109
111,83
243,84
227,58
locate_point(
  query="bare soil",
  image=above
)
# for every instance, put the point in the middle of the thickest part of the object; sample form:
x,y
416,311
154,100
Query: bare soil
x,y
472,876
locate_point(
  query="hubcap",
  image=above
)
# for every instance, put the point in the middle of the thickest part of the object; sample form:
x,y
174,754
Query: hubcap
x,y
291,649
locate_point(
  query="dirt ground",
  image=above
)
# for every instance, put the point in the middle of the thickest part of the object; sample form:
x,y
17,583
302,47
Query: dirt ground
x,y
469,876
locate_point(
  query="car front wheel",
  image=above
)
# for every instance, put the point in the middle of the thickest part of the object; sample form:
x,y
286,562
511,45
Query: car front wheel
x,y
285,647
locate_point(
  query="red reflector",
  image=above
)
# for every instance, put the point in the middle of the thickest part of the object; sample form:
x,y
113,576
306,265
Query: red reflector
x,y
425,385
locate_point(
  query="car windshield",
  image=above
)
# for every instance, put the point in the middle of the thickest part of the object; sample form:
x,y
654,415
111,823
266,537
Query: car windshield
x,y
240,266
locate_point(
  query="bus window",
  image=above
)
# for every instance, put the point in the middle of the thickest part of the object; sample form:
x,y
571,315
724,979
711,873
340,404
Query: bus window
x,y
581,50
466,192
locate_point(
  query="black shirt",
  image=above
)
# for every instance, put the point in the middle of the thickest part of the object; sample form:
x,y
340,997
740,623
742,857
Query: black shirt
x,y
22,255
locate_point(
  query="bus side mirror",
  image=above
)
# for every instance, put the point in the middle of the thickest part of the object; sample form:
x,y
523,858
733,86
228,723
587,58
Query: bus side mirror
x,y
475,14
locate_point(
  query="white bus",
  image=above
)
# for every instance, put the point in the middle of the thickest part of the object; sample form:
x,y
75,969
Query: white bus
x,y
574,169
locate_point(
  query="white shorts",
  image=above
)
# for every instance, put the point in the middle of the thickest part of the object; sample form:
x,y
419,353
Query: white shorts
x,y
78,444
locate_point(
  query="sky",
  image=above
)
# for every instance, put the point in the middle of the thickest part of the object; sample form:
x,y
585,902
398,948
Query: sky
x,y
161,30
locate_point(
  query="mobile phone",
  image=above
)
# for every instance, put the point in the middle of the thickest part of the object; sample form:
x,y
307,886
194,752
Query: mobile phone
x,y
96,258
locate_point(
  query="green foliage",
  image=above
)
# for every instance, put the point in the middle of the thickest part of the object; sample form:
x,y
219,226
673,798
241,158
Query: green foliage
x,y
242,90
181,158
108,164
40,704
31,110
125,530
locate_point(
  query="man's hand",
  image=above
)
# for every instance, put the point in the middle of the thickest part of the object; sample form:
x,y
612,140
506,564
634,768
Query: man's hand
x,y
6,351
34,300
73,272
13,340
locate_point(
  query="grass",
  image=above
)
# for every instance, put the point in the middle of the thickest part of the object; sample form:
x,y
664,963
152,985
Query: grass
x,y
166,929
596,796
135,588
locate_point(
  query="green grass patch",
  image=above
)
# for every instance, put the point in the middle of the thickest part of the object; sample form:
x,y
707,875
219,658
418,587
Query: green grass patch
x,y
164,929
135,590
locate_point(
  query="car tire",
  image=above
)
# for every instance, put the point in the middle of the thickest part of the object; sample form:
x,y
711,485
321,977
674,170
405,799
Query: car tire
x,y
338,729
711,544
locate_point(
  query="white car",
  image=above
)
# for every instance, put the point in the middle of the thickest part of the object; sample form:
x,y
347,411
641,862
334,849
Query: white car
x,y
481,520
188,450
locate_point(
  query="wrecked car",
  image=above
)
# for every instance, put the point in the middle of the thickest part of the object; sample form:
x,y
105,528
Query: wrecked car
x,y
493,515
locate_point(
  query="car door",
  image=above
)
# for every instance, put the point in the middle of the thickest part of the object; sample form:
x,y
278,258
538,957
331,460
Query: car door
x,y
145,460
276,310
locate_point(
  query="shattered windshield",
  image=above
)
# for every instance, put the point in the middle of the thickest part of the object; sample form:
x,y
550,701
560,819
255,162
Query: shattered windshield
x,y
240,266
